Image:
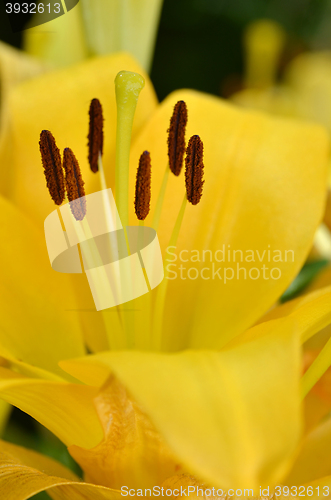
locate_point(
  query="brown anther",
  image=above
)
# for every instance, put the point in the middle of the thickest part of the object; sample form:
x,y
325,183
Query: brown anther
x,y
143,186
51,160
95,135
74,184
194,170
176,137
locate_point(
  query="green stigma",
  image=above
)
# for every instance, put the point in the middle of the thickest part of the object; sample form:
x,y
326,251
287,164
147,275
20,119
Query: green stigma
x,y
128,86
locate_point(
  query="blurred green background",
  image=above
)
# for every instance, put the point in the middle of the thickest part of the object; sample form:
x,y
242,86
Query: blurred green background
x,y
199,42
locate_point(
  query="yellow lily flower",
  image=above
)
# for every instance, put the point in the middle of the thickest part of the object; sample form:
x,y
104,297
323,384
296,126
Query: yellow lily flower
x,y
263,45
225,406
264,42
304,91
172,425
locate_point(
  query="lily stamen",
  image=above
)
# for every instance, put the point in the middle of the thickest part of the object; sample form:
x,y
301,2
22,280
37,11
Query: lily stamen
x,y
176,137
95,136
176,150
74,185
194,170
95,140
51,160
143,187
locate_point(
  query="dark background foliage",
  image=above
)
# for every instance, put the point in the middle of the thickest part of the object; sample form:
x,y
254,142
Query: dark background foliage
x,y
199,43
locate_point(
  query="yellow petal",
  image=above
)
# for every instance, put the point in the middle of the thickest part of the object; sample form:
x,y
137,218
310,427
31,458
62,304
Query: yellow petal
x,y
132,453
252,163
8,361
38,323
24,473
282,310
112,27
317,403
323,280
65,409
36,460
232,418
59,42
311,312
314,459
315,409
275,100
16,67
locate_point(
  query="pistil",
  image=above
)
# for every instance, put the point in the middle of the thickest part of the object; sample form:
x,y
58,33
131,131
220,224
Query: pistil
x,y
128,86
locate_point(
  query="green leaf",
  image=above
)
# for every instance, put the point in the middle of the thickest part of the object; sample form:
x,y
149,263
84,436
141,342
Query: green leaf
x,y
307,274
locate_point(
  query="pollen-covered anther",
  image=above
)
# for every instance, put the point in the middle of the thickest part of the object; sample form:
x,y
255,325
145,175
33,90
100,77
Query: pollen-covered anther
x,y
95,136
143,186
194,170
176,137
51,160
74,185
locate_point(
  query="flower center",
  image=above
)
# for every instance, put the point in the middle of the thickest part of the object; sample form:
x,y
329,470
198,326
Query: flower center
x,y
127,88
